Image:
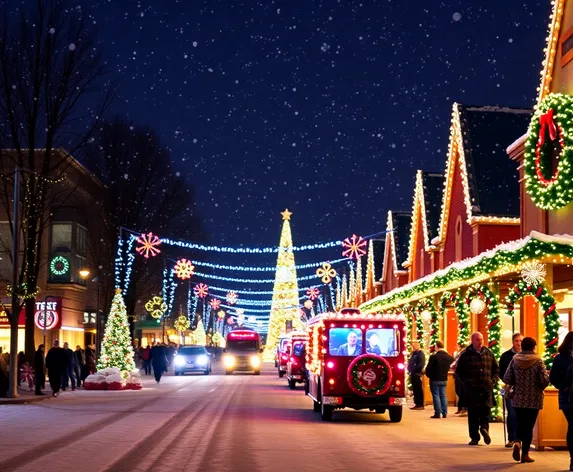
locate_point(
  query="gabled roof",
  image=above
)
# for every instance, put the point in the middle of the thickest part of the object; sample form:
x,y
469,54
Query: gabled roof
x,y
398,227
489,179
551,49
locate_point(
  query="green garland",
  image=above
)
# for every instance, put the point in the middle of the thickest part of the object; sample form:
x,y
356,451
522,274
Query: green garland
x,y
428,304
462,312
532,250
493,332
551,122
550,315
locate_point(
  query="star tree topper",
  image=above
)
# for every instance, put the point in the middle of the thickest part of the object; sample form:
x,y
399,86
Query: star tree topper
x,y
286,215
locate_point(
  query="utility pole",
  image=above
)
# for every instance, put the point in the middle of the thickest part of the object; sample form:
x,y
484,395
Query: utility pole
x,y
15,314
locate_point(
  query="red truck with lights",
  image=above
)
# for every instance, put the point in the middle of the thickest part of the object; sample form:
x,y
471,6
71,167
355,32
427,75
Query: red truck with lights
x,y
357,361
283,354
296,363
242,352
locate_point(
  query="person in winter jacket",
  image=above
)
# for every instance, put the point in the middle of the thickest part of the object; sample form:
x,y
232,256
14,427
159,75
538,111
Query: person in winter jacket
x,y
504,362
461,404
416,365
158,361
527,377
146,357
39,370
80,364
56,362
437,371
561,376
70,371
478,371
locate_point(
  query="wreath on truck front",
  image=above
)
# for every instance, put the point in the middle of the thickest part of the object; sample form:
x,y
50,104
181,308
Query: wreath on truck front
x,y
549,153
369,375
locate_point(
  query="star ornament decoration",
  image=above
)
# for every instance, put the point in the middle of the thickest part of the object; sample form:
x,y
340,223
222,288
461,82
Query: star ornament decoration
x,y
313,293
215,303
533,273
148,245
286,215
354,247
326,273
201,290
156,307
232,297
184,269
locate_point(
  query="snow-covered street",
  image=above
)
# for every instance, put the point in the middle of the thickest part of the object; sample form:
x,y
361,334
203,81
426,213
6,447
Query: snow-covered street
x,y
235,423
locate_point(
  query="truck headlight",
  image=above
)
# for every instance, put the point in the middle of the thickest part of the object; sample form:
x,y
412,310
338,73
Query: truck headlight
x,y
255,361
229,361
179,361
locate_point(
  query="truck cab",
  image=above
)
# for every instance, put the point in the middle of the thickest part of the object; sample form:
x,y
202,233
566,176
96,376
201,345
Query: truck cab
x,y
357,361
243,352
283,353
296,364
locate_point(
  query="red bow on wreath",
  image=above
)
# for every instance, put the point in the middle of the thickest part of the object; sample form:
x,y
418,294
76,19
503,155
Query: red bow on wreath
x,y
547,123
27,375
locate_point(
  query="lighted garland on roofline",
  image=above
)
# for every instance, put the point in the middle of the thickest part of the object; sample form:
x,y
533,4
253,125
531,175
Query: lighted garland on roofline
x,y
550,133
550,314
428,305
462,313
454,277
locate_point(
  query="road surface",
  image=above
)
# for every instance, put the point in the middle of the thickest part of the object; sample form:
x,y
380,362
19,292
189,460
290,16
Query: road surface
x,y
235,423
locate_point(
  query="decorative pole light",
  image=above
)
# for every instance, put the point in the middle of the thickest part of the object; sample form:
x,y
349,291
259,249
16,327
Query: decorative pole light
x,y
426,315
477,306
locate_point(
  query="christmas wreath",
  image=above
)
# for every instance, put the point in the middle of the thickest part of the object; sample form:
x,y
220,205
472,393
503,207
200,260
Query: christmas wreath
x,y
550,137
369,375
59,265
550,314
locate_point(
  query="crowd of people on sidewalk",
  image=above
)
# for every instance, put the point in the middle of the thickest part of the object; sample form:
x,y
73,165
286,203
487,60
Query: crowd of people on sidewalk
x,y
477,372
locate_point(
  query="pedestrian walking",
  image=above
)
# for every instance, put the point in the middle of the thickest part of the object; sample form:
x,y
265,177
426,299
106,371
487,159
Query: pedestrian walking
x,y
504,362
479,372
21,361
416,365
527,378
437,371
80,364
69,373
462,410
90,361
39,370
158,361
56,362
146,357
561,376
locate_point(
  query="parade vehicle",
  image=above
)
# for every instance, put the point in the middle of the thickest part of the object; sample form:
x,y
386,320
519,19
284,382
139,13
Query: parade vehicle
x,y
357,361
192,359
243,352
283,354
296,364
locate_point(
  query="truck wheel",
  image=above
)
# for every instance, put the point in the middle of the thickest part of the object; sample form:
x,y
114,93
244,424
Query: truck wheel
x,y
326,412
207,372
292,384
395,414
281,374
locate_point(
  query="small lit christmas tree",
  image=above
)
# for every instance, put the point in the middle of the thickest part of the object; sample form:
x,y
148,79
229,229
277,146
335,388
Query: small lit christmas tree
x,y
116,348
200,336
285,304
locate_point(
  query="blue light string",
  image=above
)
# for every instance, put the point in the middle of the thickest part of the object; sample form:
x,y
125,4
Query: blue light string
x,y
191,305
332,299
265,268
246,250
257,292
118,263
249,310
168,290
248,281
244,301
129,265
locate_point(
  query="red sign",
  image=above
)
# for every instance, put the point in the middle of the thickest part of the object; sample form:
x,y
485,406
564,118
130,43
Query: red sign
x,y
49,314
5,322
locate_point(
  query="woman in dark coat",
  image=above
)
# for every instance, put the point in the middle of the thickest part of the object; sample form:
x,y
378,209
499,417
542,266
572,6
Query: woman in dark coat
x,y
39,370
21,362
561,377
158,361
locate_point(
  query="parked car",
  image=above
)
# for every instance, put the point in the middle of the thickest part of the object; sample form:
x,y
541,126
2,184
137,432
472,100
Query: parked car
x,y
192,359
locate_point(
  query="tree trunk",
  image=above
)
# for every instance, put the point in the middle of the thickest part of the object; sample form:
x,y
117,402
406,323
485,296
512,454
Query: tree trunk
x,y
29,341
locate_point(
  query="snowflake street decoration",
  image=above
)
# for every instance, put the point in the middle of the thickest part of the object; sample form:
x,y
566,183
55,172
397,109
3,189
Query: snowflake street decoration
x,y
201,290
326,273
533,273
354,247
148,245
215,303
181,324
232,297
240,312
313,293
156,307
184,269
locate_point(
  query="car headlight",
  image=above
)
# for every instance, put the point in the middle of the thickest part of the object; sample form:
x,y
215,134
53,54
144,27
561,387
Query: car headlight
x,y
202,360
255,361
229,361
179,361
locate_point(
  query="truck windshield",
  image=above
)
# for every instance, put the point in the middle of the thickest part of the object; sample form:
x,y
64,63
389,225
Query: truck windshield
x,y
243,345
382,342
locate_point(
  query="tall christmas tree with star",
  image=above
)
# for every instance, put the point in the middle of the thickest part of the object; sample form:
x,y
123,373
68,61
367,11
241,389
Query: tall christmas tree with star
x,y
285,306
116,348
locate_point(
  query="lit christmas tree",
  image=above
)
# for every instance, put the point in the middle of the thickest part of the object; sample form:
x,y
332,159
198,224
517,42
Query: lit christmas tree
x,y
116,348
284,306
199,333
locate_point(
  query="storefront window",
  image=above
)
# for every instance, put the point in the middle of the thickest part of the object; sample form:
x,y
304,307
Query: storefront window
x,y
61,237
81,240
509,326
